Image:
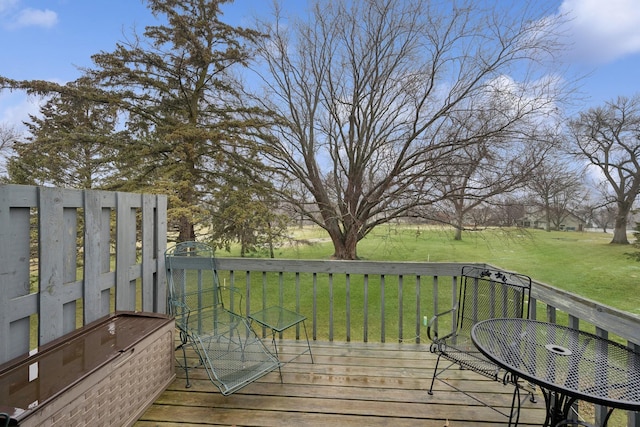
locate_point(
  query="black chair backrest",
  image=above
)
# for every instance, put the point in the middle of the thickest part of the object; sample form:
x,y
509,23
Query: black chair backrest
x,y
487,293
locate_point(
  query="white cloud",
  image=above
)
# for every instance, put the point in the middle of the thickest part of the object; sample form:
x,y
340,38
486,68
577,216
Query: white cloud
x,y
14,16
602,32
16,107
34,18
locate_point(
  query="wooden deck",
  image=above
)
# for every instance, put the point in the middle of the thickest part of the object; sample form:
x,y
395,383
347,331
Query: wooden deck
x,y
352,384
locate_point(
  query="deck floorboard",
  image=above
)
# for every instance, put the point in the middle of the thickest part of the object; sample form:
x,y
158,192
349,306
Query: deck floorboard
x,y
350,384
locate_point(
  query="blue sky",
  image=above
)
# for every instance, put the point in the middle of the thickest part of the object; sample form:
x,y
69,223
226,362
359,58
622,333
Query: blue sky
x,y
49,39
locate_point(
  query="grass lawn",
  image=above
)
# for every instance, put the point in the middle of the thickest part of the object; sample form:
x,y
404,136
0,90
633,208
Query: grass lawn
x,y
581,262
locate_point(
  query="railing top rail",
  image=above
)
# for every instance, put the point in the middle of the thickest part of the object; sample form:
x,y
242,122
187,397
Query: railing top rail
x,y
342,267
622,323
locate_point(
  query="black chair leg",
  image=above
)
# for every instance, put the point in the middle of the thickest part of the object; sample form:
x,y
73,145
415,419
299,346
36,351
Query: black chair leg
x,y
435,372
515,406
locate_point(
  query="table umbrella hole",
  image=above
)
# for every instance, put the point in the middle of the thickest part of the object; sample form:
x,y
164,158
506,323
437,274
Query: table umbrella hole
x,y
562,351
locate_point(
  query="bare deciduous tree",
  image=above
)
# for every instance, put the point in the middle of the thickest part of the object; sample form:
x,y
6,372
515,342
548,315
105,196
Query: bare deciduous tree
x,y
498,153
8,136
608,137
604,216
557,190
367,93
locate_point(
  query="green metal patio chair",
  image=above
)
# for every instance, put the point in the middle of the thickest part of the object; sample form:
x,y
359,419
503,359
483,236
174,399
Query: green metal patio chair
x,y
219,336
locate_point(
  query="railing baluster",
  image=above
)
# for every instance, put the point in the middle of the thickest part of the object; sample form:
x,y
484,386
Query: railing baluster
x,y
400,308
601,375
435,301
298,303
533,305
348,306
315,307
232,284
281,288
280,293
574,323
633,418
454,299
330,307
418,316
365,332
382,305
551,314
247,279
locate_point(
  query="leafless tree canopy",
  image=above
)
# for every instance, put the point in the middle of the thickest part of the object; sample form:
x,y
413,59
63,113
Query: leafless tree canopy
x,y
557,190
376,98
495,154
8,135
608,137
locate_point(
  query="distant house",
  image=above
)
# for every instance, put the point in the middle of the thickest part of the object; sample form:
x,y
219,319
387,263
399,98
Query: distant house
x,y
537,219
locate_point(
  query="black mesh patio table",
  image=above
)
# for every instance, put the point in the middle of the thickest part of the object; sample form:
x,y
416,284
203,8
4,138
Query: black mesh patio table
x,y
567,364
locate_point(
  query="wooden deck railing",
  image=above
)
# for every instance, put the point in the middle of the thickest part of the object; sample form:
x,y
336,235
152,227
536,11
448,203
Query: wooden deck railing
x,y
68,240
388,301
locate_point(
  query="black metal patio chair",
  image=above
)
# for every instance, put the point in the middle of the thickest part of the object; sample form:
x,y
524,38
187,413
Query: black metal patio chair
x,y
485,293
210,321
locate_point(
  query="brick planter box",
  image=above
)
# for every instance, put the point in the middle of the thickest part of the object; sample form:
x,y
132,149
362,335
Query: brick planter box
x,y
106,373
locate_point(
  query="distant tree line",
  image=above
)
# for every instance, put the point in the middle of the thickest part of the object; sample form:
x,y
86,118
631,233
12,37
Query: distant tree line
x,y
367,112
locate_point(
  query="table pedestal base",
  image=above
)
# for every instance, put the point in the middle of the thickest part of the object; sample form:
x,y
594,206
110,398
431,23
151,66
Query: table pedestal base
x,y
559,408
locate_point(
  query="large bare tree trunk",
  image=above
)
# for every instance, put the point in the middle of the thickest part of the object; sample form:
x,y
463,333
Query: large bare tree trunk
x,y
547,216
620,227
345,249
345,243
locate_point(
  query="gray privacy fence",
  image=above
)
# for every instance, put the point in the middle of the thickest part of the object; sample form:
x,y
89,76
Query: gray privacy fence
x,y
69,257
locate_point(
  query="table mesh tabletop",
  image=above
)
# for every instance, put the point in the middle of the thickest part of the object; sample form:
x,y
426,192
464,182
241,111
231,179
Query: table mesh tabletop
x,y
277,318
563,359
